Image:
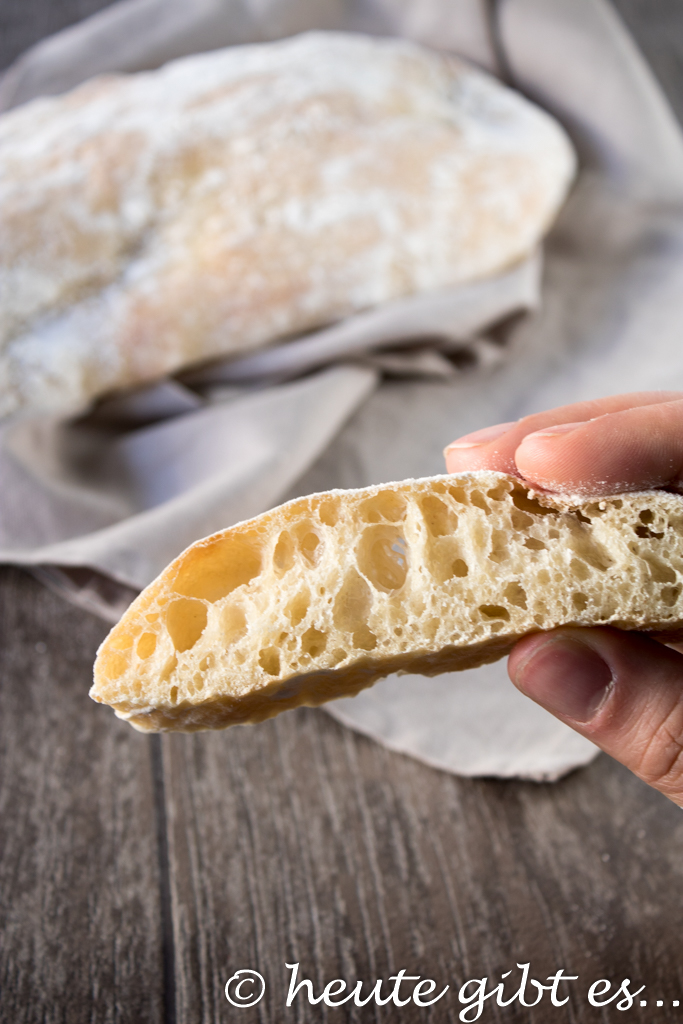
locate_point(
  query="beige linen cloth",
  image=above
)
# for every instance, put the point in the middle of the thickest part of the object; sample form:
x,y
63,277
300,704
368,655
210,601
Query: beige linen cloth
x,y
102,505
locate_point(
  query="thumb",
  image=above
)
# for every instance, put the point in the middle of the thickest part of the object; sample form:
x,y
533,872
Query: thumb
x,y
623,691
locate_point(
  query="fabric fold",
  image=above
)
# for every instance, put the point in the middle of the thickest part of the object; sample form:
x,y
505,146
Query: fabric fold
x,y
373,399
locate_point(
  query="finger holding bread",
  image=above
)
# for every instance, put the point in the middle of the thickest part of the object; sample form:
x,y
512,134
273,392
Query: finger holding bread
x,y
620,443
622,691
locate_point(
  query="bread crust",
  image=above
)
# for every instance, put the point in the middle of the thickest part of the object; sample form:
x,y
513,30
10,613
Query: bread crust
x,y
234,198
319,598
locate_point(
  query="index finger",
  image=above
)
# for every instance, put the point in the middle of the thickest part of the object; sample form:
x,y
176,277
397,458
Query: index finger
x,y
623,442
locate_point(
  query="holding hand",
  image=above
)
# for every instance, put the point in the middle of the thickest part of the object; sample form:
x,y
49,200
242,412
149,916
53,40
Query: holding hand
x,y
623,691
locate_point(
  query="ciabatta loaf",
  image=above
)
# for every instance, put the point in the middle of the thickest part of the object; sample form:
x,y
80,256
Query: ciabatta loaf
x,y
321,597
233,198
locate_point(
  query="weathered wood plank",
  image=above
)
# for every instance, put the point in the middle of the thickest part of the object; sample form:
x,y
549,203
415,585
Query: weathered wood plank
x,y
80,920
300,841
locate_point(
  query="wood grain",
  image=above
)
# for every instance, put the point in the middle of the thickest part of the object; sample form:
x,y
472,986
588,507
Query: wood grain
x,y
300,841
80,921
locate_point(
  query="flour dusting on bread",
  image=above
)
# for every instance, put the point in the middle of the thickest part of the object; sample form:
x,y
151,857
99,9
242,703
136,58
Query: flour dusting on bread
x,y
234,198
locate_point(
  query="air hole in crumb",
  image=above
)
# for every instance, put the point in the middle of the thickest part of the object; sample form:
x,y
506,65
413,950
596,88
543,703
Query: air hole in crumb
x,y
430,627
515,594
153,617
233,623
283,556
477,499
520,520
644,532
581,517
146,645
313,642
120,641
588,549
364,639
580,601
459,568
297,607
309,544
112,664
646,516
494,611
185,621
499,546
522,500
385,506
329,512
534,545
213,569
398,630
353,603
554,534
661,573
617,503
174,694
670,595
579,569
439,519
382,557
168,669
269,660
498,493
460,495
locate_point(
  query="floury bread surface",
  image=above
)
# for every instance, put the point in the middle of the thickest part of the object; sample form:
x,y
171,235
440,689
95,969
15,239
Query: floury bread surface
x,y
230,199
321,597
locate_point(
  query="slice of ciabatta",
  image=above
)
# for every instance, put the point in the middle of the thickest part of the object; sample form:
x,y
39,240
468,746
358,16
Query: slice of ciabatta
x,y
321,597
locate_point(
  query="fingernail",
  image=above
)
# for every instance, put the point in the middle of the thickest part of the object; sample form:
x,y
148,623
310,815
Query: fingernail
x,y
565,676
480,437
561,428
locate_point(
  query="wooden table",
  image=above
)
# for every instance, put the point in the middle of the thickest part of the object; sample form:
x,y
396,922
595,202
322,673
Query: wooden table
x,y
137,874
